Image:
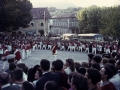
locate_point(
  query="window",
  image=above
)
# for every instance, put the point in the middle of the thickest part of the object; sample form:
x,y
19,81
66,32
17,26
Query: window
x,y
42,24
32,24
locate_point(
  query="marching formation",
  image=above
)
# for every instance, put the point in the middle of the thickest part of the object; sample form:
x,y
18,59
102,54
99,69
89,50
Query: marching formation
x,y
22,47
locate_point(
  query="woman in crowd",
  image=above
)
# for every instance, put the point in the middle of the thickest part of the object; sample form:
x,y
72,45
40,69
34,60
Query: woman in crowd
x,y
38,74
69,66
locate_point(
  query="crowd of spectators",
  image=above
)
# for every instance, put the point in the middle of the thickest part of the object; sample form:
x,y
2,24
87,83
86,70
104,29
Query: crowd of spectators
x,y
98,73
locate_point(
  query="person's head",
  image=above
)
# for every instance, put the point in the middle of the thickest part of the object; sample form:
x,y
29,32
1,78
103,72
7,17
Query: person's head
x,y
85,64
104,61
96,66
93,76
113,54
82,70
21,66
12,66
117,64
58,65
90,56
79,82
45,64
96,59
112,61
70,63
106,73
4,78
51,85
77,65
17,75
27,86
112,67
38,74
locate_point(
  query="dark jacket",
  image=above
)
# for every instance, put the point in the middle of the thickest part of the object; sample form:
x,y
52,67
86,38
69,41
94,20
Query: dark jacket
x,y
47,77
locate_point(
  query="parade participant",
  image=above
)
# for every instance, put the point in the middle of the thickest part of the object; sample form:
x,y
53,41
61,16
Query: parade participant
x,y
39,45
1,50
23,50
44,45
87,48
6,53
27,50
69,47
18,55
73,46
94,48
107,48
62,47
54,51
33,46
114,48
80,47
49,45
29,47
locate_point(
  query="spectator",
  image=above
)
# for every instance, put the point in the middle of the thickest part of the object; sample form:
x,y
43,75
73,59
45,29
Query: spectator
x,y
27,86
69,80
38,74
94,77
79,82
112,61
58,66
85,64
51,85
106,74
96,66
90,56
47,75
77,65
31,73
113,55
82,70
17,77
116,78
4,82
12,66
22,66
97,59
69,66
104,61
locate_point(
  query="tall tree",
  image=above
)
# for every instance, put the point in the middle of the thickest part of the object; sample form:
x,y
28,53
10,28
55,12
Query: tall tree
x,y
111,22
89,19
15,14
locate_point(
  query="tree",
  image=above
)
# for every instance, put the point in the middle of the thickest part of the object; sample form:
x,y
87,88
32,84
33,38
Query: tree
x,y
15,14
111,22
89,19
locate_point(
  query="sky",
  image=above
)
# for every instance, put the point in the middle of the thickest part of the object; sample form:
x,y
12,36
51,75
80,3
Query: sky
x,y
78,3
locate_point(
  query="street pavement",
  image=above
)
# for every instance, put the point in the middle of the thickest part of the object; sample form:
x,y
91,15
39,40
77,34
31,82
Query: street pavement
x,y
37,55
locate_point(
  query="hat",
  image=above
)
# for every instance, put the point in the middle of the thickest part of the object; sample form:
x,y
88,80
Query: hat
x,y
11,56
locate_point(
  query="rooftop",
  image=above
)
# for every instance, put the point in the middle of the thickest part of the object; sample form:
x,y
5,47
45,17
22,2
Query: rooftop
x,y
38,13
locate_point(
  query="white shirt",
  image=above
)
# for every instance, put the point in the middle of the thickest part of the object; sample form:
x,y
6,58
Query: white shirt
x,y
68,70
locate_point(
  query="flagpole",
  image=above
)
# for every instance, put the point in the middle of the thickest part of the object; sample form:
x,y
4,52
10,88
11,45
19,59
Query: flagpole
x,y
44,23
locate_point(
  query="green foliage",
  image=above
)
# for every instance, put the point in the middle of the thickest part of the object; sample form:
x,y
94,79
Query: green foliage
x,y
104,20
89,19
15,14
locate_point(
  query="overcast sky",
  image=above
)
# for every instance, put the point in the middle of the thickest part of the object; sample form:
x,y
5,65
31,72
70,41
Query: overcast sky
x,y
80,3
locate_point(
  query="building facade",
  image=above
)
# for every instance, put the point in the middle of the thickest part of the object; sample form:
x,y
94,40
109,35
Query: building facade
x,y
41,17
66,23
